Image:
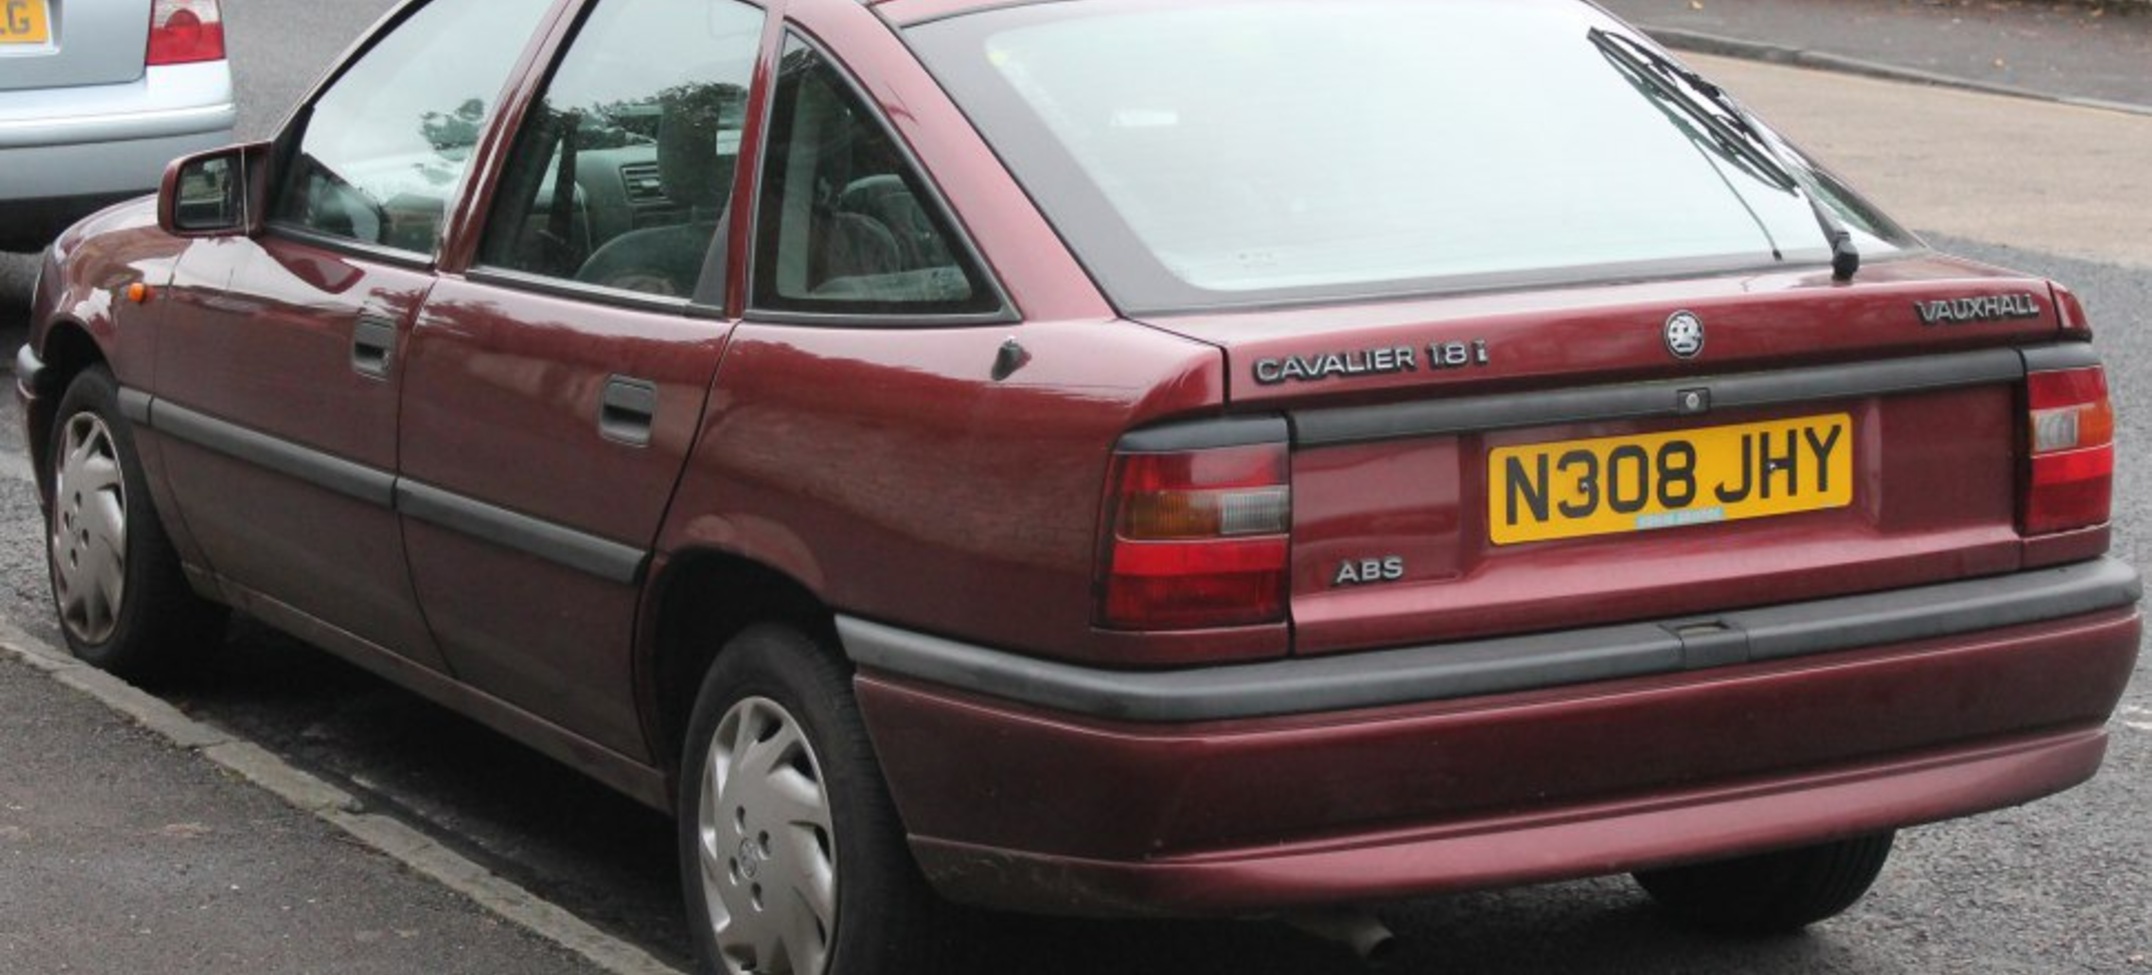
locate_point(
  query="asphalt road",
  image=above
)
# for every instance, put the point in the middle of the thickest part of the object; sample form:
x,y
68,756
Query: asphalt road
x,y
2063,885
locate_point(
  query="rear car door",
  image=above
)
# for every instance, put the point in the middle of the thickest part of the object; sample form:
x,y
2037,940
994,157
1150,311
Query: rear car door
x,y
279,369
554,390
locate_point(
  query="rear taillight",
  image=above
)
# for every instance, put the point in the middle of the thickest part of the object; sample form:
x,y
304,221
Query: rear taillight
x,y
185,31
1196,538
2071,433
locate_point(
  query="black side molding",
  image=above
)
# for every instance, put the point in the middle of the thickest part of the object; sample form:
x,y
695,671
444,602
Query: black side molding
x,y
600,557
578,550
312,466
1469,668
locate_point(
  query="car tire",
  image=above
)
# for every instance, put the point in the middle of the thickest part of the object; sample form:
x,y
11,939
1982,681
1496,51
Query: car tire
x,y
1770,893
123,604
792,858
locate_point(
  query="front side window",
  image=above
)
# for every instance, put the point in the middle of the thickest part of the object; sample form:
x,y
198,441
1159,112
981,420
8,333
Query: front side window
x,y
1205,155
843,224
621,174
385,147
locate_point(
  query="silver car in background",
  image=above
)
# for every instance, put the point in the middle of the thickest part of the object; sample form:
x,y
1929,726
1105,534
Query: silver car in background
x,y
96,96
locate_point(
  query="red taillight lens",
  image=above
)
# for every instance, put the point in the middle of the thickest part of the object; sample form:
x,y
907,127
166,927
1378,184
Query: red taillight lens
x,y
1197,539
185,31
2071,432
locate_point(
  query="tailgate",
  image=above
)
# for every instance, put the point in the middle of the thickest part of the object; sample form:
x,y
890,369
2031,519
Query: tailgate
x,y
1517,463
1524,512
71,43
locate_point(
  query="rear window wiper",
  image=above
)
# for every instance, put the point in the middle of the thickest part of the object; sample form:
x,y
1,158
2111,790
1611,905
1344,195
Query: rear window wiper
x,y
1733,127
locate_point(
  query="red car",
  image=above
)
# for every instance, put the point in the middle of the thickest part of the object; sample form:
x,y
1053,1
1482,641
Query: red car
x,y
1112,457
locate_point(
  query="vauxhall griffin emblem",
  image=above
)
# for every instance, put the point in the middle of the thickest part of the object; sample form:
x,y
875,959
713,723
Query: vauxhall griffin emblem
x,y
1684,335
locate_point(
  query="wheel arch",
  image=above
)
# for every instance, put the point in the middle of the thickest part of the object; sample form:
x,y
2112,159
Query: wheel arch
x,y
700,600
69,348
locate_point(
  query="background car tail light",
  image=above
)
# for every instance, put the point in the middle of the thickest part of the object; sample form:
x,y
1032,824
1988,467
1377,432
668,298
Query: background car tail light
x,y
185,31
1197,538
2071,433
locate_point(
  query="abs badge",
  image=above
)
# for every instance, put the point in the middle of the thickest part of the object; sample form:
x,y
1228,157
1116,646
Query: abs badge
x,y
1684,335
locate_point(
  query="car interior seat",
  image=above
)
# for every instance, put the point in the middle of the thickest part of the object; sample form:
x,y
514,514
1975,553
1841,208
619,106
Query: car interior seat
x,y
668,260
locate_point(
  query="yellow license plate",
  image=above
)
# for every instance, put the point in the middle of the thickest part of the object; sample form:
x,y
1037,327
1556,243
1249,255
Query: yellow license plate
x,y
1575,488
24,22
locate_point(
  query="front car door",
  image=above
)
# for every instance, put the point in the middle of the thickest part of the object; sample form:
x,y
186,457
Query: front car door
x,y
552,392
278,373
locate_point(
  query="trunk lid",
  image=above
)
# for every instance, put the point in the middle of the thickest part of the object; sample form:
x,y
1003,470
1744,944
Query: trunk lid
x,y
1493,464
72,43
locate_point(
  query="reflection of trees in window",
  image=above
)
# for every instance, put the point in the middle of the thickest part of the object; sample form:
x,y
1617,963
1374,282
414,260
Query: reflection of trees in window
x,y
717,107
446,131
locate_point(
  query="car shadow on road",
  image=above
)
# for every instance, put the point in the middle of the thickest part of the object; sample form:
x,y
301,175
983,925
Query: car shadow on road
x,y
610,860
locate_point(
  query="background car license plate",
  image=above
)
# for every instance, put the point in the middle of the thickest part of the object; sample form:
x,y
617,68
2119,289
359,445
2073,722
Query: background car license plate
x,y
1574,488
24,22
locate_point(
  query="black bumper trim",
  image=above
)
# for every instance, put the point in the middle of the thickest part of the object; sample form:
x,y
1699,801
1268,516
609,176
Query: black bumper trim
x,y
1667,398
1506,664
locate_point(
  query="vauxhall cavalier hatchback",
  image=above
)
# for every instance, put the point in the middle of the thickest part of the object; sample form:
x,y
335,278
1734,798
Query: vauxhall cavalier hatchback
x,y
1236,458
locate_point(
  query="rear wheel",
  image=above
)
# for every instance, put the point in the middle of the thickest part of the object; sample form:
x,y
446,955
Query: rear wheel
x,y
124,605
1771,893
791,855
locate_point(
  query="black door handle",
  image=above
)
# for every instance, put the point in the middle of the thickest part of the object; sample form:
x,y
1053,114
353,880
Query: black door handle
x,y
625,412
373,345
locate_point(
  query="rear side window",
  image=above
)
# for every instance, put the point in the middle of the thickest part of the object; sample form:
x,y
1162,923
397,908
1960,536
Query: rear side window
x,y
386,146
622,172
844,225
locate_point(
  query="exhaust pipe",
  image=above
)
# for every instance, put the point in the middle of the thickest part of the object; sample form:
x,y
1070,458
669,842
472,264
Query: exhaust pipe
x,y
1367,937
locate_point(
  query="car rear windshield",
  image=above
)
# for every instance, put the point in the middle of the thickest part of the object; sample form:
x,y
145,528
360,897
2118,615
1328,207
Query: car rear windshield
x,y
1206,155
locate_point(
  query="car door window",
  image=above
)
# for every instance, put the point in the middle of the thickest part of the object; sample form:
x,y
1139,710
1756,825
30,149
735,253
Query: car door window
x,y
621,173
843,223
385,147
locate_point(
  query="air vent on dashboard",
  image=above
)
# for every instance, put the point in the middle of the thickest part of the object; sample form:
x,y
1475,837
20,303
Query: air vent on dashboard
x,y
642,183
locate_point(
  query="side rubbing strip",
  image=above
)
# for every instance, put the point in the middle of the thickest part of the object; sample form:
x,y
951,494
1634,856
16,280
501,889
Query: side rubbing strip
x,y
577,550
312,466
1653,399
134,405
1454,670
600,557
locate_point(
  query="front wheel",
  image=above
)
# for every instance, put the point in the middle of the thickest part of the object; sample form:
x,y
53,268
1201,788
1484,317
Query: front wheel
x,y
124,605
791,856
1771,893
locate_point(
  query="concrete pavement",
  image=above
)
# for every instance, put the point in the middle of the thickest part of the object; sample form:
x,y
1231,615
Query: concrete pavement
x,y
2002,170
135,840
2093,52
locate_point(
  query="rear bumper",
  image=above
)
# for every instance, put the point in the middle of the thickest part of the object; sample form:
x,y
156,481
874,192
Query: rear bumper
x,y
1386,775
70,152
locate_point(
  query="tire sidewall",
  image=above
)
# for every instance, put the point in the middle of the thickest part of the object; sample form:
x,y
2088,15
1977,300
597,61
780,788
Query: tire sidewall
x,y
95,392
880,927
